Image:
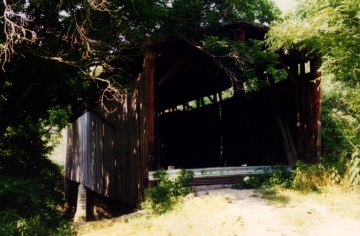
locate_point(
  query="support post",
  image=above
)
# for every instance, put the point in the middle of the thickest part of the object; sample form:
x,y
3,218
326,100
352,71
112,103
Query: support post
x,y
80,214
72,193
90,205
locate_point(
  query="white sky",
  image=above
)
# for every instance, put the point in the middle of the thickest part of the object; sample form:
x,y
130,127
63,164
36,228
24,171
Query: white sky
x,y
285,5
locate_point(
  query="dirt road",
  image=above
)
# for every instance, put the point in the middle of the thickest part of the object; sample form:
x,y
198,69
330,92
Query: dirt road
x,y
261,217
246,212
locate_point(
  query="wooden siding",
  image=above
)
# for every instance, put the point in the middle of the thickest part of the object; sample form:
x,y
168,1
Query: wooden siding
x,y
107,152
308,113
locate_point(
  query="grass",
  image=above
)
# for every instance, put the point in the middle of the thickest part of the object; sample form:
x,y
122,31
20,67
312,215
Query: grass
x,y
197,216
283,200
316,210
314,205
212,215
343,203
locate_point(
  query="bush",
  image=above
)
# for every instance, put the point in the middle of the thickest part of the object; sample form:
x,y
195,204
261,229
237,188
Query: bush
x,y
168,192
354,170
279,178
30,184
307,177
11,224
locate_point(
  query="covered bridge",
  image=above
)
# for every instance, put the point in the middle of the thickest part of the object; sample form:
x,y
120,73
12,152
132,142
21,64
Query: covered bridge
x,y
183,114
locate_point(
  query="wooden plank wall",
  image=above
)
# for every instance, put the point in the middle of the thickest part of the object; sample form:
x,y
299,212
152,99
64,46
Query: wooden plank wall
x,y
308,112
107,152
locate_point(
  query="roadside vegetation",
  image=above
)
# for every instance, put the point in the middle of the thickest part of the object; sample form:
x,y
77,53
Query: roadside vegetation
x,y
218,213
50,48
167,192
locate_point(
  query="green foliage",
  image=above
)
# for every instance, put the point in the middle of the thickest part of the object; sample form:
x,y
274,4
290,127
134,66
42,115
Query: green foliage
x,y
182,15
354,169
329,28
309,177
12,224
28,208
305,178
168,192
30,184
280,178
340,128
247,62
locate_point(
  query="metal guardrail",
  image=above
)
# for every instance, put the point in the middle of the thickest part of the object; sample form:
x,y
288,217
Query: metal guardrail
x,y
226,171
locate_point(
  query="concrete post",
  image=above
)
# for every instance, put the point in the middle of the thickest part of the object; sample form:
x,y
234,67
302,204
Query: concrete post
x,y
80,214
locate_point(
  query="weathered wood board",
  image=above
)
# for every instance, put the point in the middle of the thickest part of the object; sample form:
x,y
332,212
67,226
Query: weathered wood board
x,y
107,152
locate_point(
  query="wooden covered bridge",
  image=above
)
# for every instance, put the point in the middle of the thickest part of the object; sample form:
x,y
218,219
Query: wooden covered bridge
x,y
181,114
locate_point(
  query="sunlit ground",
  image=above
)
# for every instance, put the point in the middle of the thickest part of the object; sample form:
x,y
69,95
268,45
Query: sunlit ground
x,y
258,213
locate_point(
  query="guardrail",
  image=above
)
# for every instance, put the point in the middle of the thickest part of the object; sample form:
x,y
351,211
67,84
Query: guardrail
x,y
217,172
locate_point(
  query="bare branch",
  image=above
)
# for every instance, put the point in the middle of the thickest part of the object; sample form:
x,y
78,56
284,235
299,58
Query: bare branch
x,y
111,92
15,32
101,5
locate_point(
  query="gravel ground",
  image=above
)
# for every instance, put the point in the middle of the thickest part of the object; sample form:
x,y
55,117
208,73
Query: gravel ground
x,y
219,210
263,218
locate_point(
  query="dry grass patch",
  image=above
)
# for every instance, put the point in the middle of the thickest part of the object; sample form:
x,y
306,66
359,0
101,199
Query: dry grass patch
x,y
332,212
198,216
314,210
343,203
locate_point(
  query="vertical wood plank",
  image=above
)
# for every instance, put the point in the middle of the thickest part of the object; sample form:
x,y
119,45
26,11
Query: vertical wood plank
x,y
151,111
107,151
126,152
143,123
93,151
69,152
136,145
317,109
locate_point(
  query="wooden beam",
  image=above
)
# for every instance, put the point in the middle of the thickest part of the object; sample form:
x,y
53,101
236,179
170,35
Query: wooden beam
x,y
172,69
151,112
211,99
239,35
287,70
288,145
90,204
202,102
193,66
317,106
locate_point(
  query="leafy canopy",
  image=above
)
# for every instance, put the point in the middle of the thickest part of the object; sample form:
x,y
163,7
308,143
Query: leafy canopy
x,y
328,28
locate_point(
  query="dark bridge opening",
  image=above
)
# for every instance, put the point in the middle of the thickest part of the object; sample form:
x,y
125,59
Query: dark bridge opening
x,y
202,123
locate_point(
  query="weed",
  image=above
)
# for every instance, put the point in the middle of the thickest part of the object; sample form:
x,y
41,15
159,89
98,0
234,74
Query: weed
x,y
239,185
268,191
13,224
274,197
168,192
280,178
354,169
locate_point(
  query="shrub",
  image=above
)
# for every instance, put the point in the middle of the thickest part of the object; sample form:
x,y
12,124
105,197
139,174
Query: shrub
x,y
354,170
11,224
168,192
279,178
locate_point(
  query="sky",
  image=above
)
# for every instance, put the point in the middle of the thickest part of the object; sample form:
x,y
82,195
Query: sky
x,y
285,5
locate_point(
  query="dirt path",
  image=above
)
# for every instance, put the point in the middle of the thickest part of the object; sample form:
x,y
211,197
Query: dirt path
x,y
244,212
298,218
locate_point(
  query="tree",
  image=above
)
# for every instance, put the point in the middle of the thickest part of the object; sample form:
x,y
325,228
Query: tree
x,y
83,33
327,28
